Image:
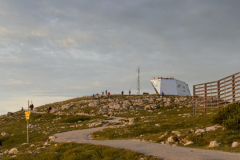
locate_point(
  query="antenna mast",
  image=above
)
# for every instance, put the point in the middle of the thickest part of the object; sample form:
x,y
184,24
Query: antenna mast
x,y
138,81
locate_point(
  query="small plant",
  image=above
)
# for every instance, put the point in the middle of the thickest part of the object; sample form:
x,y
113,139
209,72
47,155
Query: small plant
x,y
229,116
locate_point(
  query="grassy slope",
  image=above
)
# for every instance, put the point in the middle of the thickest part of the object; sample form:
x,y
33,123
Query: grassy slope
x,y
143,129
48,124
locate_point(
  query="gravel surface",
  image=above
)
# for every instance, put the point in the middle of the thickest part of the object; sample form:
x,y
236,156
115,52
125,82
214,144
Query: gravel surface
x,y
163,151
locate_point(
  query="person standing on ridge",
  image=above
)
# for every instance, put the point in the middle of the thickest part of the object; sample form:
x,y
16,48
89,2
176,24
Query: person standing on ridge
x,y
106,92
122,93
31,107
129,92
162,94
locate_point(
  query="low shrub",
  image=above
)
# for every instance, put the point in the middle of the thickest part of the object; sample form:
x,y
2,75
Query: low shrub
x,y
229,116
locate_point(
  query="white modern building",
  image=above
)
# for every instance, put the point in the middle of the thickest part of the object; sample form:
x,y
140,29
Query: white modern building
x,y
170,86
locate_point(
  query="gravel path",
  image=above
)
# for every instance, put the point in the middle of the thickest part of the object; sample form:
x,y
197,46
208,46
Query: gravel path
x,y
163,151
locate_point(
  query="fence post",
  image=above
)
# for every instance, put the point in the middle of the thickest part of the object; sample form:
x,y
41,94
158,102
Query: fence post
x,y
205,98
233,88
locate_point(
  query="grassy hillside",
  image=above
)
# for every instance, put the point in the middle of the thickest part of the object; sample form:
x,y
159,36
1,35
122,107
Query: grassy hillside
x,y
151,118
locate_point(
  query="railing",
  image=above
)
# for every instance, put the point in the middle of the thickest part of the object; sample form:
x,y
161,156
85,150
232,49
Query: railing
x,y
216,94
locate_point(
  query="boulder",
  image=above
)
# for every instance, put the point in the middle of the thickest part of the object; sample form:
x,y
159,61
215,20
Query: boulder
x,y
235,144
132,107
151,106
127,102
124,106
212,128
172,139
200,131
131,121
54,110
4,134
51,138
114,105
177,133
6,152
188,143
46,144
13,151
67,106
93,104
214,144
102,111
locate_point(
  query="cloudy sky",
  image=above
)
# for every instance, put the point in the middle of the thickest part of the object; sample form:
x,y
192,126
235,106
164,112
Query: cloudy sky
x,y
57,49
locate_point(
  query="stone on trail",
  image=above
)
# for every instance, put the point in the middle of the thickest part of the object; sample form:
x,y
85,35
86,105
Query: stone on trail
x,y
170,139
188,143
214,144
51,138
235,144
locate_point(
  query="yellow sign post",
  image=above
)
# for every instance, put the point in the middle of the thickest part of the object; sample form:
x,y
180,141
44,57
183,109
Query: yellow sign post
x,y
27,115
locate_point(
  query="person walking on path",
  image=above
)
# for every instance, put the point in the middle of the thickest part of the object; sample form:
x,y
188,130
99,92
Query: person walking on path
x,y
122,93
129,92
108,94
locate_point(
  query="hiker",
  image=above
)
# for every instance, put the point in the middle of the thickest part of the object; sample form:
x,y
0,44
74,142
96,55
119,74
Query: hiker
x,y
31,107
108,94
162,94
22,109
93,95
49,109
129,92
122,93
102,93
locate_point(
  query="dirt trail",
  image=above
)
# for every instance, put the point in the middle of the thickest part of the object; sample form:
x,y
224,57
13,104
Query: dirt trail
x,y
163,151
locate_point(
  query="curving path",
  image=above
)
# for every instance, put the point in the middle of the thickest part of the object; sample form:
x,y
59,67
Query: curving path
x,y
163,151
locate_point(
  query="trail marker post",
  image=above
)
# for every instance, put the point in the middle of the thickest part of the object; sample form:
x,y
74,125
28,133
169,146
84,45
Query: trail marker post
x,y
27,115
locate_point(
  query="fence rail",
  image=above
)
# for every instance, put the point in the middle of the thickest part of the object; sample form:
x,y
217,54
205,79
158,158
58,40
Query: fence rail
x,y
216,94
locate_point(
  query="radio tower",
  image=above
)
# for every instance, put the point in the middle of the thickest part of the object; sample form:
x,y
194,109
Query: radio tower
x,y
138,81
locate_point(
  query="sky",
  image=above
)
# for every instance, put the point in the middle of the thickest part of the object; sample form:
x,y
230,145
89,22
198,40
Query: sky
x,y
56,50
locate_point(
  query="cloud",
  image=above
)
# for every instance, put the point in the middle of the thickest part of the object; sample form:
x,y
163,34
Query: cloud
x,y
4,31
83,47
111,30
37,34
16,82
66,42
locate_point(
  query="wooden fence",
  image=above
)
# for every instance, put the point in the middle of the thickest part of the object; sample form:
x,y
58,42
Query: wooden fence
x,y
216,94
